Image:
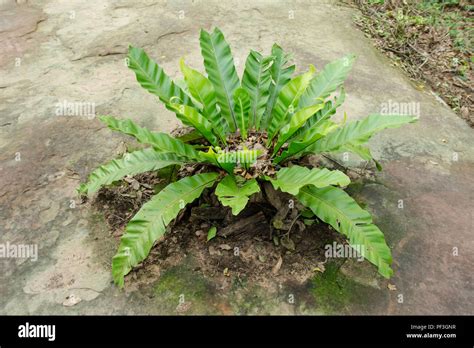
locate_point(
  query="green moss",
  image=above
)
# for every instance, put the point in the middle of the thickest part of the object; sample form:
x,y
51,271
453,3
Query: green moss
x,y
336,293
181,283
252,300
331,290
244,298
355,187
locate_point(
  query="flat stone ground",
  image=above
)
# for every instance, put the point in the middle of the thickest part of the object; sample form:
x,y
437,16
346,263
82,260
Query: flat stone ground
x,y
56,51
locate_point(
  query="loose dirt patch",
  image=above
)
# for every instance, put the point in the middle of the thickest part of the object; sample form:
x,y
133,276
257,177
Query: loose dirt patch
x,y
246,247
271,239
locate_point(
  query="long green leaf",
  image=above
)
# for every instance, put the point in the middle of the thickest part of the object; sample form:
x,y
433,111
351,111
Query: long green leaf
x,y
296,122
281,75
315,128
256,80
337,208
160,141
324,114
236,195
130,164
358,131
149,224
152,77
242,110
292,179
287,102
192,116
202,90
362,151
220,68
297,147
327,81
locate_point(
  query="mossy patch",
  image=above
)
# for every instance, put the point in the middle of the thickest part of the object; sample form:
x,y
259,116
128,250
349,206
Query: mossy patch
x,y
246,299
180,290
336,293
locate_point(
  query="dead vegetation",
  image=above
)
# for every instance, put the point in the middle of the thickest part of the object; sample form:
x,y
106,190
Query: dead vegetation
x,y
430,40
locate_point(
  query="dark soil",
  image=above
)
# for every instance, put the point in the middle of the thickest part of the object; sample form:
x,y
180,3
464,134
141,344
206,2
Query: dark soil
x,y
257,254
267,240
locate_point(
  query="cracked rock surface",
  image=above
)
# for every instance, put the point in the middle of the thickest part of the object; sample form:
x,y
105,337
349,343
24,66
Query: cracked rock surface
x,y
57,51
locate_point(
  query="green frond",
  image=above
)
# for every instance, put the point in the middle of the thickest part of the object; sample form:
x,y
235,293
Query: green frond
x,y
149,224
335,207
236,194
256,80
281,75
130,164
160,141
292,179
287,102
219,64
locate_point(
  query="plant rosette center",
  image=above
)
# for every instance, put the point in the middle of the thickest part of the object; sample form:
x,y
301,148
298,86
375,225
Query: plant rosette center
x,y
250,156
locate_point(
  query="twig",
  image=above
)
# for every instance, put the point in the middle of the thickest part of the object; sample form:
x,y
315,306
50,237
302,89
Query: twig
x,y
335,161
291,225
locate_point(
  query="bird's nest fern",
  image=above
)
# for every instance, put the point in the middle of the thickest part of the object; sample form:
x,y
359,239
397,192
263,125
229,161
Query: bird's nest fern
x,y
251,129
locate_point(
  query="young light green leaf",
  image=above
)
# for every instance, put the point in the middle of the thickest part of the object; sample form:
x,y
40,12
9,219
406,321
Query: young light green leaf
x,y
296,122
297,147
149,224
202,90
281,75
192,116
236,194
324,114
287,102
152,78
243,157
256,80
219,64
130,164
327,81
242,110
214,158
292,179
358,131
335,207
362,151
316,127
211,233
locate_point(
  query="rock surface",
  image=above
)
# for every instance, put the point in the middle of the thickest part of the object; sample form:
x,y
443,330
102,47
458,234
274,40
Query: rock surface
x,y
74,52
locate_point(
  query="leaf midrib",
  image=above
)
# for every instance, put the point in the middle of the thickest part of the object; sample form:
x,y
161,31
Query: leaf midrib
x,y
170,205
329,81
186,194
257,93
150,79
222,80
274,94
